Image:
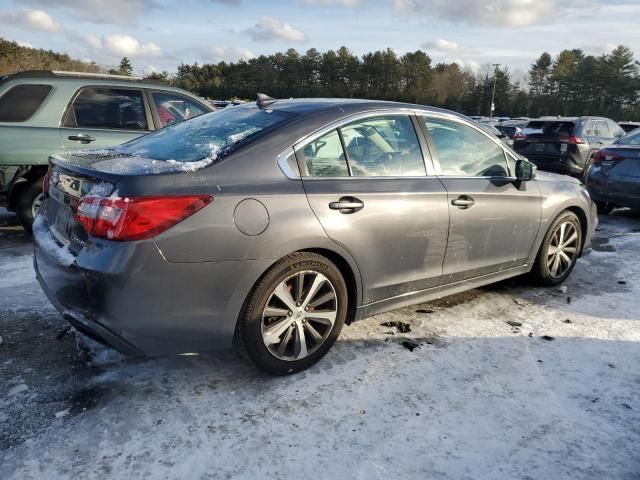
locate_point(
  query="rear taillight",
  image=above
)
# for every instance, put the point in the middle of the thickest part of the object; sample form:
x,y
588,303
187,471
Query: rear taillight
x,y
45,180
135,218
571,139
603,156
519,136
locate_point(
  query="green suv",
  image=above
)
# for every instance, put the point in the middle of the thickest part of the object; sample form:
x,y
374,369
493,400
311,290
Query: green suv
x,y
48,112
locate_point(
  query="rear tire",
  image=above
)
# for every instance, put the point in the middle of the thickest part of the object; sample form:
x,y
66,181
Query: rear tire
x,y
559,250
27,204
293,315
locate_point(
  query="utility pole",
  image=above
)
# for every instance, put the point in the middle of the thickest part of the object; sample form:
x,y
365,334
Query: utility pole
x,y
493,94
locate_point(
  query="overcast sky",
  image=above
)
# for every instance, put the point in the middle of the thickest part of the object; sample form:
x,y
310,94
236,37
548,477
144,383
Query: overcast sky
x,y
160,34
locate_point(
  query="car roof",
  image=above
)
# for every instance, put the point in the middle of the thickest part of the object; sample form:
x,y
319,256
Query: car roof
x,y
87,78
354,105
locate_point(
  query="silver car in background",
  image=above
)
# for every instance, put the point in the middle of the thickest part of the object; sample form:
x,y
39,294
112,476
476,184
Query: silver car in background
x,y
273,224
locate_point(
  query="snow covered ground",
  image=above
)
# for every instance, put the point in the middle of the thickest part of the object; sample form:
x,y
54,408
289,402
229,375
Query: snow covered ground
x,y
553,395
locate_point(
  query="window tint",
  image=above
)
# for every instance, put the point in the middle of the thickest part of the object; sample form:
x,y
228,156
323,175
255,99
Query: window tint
x,y
173,108
113,108
602,130
589,129
632,138
19,103
383,146
615,129
208,136
549,128
324,157
463,151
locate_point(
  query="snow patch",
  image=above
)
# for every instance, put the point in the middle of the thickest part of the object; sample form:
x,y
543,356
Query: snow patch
x,y
49,244
18,389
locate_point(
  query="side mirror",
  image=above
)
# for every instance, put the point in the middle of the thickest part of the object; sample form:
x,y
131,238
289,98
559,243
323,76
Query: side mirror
x,y
525,170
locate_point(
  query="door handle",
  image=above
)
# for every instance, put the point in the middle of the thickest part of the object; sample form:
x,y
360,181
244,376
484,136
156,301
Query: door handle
x,y
347,205
463,202
81,138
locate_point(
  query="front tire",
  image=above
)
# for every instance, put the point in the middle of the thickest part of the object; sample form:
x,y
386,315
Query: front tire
x,y
294,314
28,203
559,250
605,208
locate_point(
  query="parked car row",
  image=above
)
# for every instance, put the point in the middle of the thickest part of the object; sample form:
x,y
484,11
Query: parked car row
x,y
48,112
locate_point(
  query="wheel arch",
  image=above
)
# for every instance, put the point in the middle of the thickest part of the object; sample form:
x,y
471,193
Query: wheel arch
x,y
584,222
349,276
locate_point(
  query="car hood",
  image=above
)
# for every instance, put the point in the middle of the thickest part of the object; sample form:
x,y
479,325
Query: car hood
x,y
555,177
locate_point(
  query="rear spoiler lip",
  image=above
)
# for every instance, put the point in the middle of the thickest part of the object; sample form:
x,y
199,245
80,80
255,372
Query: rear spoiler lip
x,y
76,168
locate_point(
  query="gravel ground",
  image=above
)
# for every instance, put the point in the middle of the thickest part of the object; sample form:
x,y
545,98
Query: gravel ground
x,y
506,382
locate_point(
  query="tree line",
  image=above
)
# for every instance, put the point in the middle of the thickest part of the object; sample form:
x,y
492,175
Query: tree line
x,y
571,83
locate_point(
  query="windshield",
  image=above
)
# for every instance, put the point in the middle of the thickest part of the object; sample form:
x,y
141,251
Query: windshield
x,y
632,138
205,137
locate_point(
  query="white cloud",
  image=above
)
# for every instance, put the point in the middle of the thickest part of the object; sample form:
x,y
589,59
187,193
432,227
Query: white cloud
x,y
25,44
495,13
332,3
124,46
32,20
124,12
216,54
442,45
270,29
471,65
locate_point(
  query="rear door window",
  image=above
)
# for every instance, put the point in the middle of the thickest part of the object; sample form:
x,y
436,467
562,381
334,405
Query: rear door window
x,y
385,146
19,103
602,129
174,108
324,157
108,108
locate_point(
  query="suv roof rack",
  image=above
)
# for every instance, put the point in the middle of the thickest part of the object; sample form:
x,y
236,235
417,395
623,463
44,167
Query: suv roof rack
x,y
59,73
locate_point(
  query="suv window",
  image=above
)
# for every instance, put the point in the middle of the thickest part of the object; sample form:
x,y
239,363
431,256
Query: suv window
x,y
112,108
589,129
20,102
325,157
615,129
464,151
602,129
385,146
173,108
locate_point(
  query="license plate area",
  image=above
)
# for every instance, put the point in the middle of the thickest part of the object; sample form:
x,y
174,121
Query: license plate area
x,y
540,147
60,214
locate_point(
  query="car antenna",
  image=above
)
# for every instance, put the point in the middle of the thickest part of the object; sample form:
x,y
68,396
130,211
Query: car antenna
x,y
265,100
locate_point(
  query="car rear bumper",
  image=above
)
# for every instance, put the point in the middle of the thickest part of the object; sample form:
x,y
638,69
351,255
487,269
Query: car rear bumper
x,y
603,189
557,163
128,296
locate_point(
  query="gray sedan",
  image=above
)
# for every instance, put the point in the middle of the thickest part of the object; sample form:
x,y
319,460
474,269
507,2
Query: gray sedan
x,y
271,225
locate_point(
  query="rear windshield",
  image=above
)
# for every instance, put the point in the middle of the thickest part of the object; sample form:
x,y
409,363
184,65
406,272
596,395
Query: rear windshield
x,y
549,128
632,139
207,136
19,103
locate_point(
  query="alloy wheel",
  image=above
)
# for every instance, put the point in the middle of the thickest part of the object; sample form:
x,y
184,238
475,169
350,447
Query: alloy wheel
x,y
562,250
299,315
35,206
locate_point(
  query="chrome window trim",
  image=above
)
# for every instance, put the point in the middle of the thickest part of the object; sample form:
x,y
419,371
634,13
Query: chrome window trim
x,y
283,162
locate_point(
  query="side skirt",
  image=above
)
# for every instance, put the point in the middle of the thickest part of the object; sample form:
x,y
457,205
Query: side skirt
x,y
422,296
